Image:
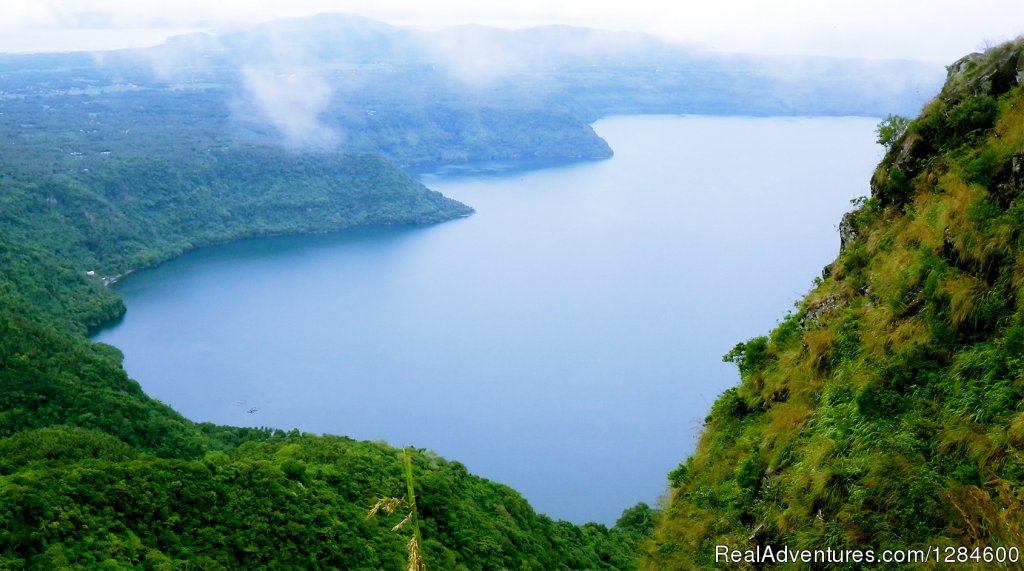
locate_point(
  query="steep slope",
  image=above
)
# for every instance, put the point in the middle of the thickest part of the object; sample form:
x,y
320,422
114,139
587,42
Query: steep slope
x,y
887,412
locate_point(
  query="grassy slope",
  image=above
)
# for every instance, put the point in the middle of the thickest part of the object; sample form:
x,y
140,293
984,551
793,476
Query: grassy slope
x,y
887,411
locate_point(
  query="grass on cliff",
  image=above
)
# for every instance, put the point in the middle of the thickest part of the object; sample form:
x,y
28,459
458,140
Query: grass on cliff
x,y
887,411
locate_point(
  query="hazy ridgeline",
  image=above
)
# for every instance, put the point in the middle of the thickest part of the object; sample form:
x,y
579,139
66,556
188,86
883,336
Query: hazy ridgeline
x,y
345,83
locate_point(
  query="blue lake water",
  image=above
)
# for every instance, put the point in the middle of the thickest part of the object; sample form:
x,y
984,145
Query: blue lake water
x,y
565,340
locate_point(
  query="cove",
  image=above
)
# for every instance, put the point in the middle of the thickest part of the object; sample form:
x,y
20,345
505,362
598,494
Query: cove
x,y
565,340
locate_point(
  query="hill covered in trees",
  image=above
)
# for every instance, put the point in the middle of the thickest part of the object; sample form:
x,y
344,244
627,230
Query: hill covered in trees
x,y
418,97
886,411
95,474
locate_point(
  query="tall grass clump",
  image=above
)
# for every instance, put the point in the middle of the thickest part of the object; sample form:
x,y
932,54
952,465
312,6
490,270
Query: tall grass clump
x,y
414,546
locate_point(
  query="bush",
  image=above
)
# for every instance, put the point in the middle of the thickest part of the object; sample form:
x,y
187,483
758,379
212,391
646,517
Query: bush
x,y
950,128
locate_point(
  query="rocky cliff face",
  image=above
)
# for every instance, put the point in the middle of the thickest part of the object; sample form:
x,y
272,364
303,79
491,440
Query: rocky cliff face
x,y
886,413
972,78
991,73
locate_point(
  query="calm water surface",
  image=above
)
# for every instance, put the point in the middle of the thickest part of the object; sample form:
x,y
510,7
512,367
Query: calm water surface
x,y
565,340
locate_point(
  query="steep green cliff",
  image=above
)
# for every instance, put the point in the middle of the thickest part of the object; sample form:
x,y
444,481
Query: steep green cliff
x,y
887,411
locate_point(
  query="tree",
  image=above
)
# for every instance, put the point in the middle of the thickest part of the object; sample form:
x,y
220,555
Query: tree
x,y
891,129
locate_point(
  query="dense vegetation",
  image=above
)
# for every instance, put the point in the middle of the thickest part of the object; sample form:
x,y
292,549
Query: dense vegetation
x,y
94,473
887,411
94,217
78,498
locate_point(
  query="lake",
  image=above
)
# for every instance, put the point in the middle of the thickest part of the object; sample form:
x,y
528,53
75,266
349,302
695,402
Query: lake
x,y
565,340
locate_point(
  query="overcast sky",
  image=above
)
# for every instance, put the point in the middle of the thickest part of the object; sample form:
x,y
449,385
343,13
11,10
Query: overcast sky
x,y
933,30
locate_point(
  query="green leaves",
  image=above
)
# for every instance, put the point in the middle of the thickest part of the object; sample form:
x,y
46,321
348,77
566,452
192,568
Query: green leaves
x,y
890,130
245,509
947,128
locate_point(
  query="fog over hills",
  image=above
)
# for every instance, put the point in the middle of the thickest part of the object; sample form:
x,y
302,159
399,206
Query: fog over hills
x,y
338,82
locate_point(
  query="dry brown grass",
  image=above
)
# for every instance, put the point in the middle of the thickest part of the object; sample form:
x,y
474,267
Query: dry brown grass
x,y
1018,272
888,273
958,196
967,438
920,231
890,333
1009,128
991,516
1015,431
785,421
819,343
964,292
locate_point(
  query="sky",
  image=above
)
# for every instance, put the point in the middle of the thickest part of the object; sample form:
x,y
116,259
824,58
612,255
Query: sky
x,y
928,30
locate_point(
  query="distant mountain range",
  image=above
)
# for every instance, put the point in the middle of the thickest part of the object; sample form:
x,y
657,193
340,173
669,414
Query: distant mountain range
x,y
437,96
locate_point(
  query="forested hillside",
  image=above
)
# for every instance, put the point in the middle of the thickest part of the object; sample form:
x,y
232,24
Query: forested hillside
x,y
886,411
93,473
417,97
112,167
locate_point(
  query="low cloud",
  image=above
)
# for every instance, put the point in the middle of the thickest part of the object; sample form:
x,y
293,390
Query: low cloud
x,y
33,14
473,55
292,101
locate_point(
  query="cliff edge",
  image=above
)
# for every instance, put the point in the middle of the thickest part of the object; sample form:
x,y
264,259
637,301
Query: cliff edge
x,y
887,412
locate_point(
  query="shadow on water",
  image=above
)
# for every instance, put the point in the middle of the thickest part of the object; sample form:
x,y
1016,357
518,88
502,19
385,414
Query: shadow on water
x,y
479,169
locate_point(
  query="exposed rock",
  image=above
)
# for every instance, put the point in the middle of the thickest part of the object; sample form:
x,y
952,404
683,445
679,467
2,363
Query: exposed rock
x,y
913,152
1008,182
908,155
814,313
847,231
1016,178
991,73
960,66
